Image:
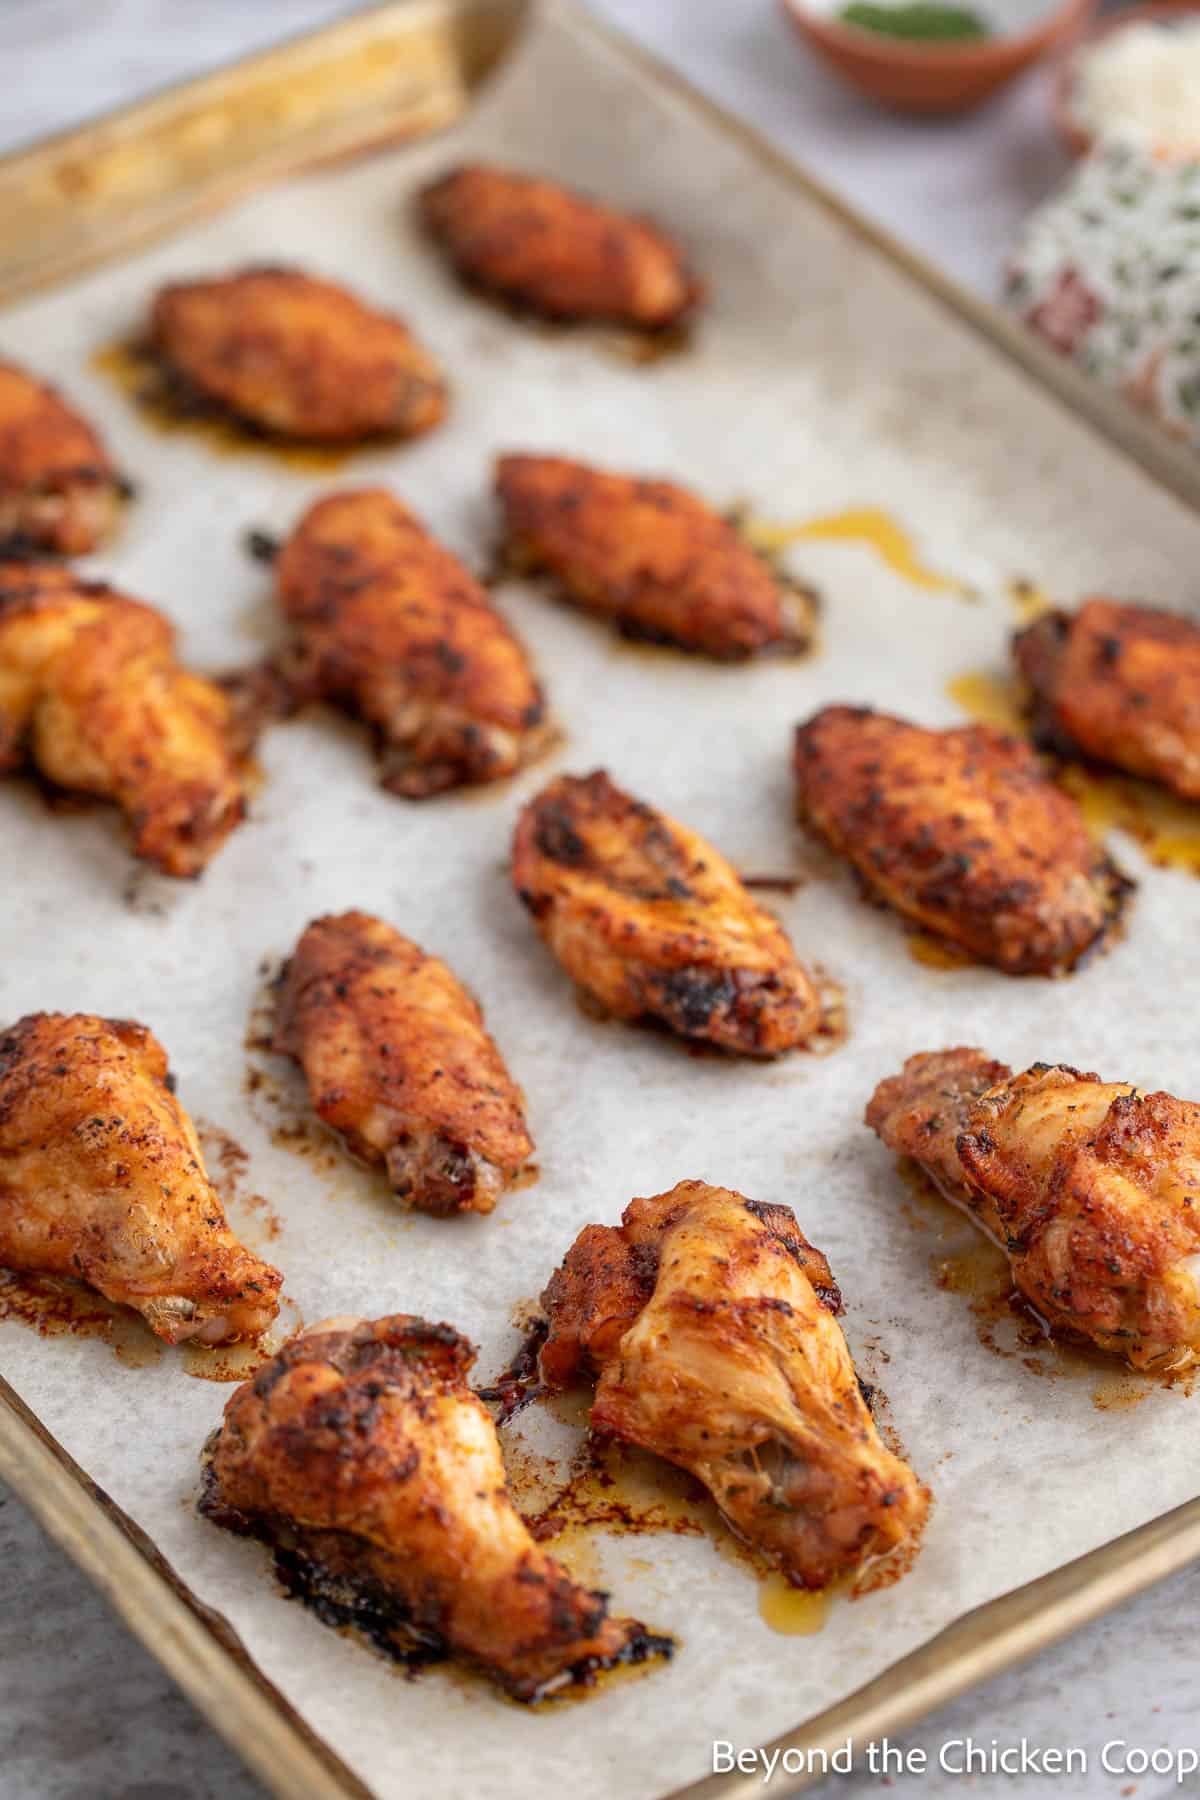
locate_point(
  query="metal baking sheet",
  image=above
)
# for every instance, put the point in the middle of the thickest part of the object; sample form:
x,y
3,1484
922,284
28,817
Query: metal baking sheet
x,y
822,380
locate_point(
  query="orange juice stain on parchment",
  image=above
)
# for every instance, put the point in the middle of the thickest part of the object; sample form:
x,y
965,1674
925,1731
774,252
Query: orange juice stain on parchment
x,y
1167,829
859,525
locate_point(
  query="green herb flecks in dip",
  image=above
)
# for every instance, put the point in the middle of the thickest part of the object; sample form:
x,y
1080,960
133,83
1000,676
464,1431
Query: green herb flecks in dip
x,y
922,20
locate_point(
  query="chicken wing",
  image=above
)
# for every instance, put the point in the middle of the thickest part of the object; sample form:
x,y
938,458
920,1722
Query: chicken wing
x,y
649,556
1088,1185
962,831
58,488
650,920
92,696
390,626
297,357
557,252
710,1323
362,1455
397,1061
1120,684
102,1181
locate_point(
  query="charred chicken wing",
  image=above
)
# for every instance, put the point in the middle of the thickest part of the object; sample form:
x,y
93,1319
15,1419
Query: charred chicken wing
x,y
297,357
1120,684
362,1455
961,831
710,1325
1090,1187
397,1061
650,920
92,696
58,488
650,557
390,626
556,252
102,1181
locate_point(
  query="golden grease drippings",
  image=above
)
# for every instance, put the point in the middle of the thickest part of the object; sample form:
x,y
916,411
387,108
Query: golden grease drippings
x,y
859,525
793,1611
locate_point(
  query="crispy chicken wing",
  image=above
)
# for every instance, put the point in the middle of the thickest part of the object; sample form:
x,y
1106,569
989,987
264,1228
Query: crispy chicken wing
x,y
648,918
397,1061
390,625
297,357
1120,684
102,1181
92,696
58,488
557,252
962,831
649,556
1090,1187
710,1324
363,1456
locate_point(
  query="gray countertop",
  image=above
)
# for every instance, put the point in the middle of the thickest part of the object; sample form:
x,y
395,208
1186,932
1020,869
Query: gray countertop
x,y
84,1711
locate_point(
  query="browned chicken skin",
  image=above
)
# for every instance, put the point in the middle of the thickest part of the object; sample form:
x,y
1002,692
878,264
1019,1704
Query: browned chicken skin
x,y
1090,1187
391,626
649,919
102,1181
58,488
962,831
297,357
557,252
92,696
361,1453
398,1062
649,556
711,1325
1120,684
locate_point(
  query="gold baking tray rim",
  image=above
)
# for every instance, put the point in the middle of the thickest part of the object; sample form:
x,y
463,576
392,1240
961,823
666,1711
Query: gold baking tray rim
x,y
92,194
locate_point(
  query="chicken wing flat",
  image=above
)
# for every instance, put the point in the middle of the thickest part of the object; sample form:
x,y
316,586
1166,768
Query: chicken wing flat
x,y
390,626
58,488
102,1181
962,831
710,1324
297,357
557,252
1120,684
650,920
1088,1185
362,1455
92,696
649,556
397,1061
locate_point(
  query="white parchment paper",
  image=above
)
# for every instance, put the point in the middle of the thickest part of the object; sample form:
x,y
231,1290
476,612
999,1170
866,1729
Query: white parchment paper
x,y
818,382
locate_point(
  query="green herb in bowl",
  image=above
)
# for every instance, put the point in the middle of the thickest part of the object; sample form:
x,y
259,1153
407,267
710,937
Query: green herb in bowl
x,y
923,21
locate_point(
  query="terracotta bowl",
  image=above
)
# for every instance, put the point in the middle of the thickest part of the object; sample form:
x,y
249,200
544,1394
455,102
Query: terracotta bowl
x,y
930,77
1077,140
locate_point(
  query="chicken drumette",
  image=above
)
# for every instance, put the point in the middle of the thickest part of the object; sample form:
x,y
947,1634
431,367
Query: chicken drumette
x,y
963,832
1090,1187
102,1181
557,252
296,357
92,696
649,556
397,1061
58,488
1120,684
650,920
710,1325
390,626
362,1455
